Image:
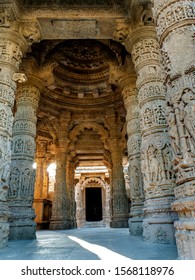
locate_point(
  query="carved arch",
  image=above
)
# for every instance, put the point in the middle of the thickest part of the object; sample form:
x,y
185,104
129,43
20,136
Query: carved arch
x,y
84,182
78,129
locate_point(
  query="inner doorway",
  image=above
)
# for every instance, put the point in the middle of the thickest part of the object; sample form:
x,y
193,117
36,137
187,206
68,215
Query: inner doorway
x,y
93,204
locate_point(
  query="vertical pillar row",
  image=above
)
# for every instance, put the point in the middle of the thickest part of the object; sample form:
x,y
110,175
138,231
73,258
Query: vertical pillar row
x,y
134,145
156,154
175,29
22,174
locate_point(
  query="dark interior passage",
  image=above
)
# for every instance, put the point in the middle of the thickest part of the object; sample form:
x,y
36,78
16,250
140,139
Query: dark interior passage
x,y
93,204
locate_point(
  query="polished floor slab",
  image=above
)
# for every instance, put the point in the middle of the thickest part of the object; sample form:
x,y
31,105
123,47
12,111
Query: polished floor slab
x,y
87,244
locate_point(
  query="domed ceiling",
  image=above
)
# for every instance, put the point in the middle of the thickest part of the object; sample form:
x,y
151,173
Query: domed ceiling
x,y
78,80
80,72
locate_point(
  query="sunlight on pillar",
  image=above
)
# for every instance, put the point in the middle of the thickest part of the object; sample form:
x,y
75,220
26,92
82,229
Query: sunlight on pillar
x,y
52,176
34,165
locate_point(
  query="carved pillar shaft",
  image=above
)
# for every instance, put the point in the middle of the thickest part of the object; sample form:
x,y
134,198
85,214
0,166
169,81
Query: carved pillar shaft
x,y
134,159
60,217
45,181
156,155
11,49
22,174
60,208
119,197
175,21
71,190
39,178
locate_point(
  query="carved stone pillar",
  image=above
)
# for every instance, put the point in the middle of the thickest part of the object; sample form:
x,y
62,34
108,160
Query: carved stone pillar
x,y
156,152
12,47
38,203
175,21
60,207
71,193
22,174
133,146
119,197
41,182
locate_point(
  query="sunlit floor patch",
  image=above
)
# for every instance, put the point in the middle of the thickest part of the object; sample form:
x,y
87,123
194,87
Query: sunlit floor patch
x,y
102,252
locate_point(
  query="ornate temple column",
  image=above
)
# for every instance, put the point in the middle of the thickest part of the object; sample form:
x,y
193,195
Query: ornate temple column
x,y
133,146
158,175
60,207
175,21
13,45
119,197
22,173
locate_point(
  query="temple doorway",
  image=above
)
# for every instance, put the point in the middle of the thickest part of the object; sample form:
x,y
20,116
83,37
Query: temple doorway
x,y
93,198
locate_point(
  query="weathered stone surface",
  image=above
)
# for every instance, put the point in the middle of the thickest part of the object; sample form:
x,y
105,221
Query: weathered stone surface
x,y
85,58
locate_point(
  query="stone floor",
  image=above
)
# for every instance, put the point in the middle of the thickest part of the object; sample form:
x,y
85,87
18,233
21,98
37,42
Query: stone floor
x,y
86,244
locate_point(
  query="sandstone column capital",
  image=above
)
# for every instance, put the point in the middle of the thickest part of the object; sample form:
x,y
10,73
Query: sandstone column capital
x,y
138,35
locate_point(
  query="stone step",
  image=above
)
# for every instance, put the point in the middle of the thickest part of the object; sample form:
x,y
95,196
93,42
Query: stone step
x,y
98,224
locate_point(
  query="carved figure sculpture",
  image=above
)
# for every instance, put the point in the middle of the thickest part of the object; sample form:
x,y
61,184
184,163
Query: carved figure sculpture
x,y
173,131
189,116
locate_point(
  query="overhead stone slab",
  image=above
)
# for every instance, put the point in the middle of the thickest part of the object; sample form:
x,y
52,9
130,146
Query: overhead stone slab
x,y
68,29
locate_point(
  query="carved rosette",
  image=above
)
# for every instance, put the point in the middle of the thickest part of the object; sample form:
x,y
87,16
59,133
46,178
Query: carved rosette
x,y
175,21
134,170
156,154
22,174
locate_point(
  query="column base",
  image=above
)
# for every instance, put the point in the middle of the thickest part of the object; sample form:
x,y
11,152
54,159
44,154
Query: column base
x,y
136,226
59,225
119,222
159,230
22,231
4,217
185,238
4,233
22,225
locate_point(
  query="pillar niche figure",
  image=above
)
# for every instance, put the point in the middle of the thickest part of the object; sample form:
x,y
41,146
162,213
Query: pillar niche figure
x,y
22,173
133,146
175,29
120,208
61,204
158,175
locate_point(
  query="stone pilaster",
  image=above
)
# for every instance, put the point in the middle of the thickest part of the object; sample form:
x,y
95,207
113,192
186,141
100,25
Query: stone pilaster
x,y
133,146
119,197
60,207
156,154
22,173
175,21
